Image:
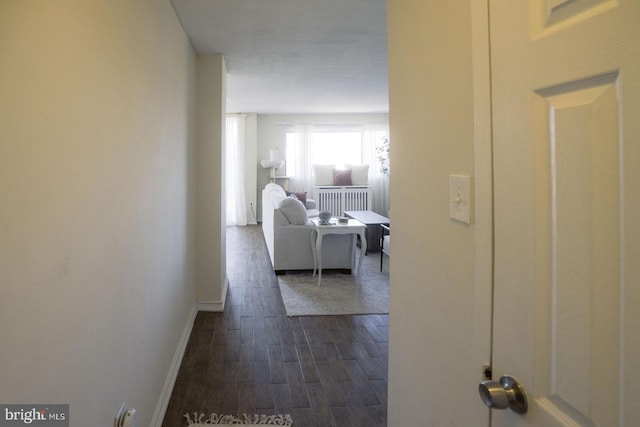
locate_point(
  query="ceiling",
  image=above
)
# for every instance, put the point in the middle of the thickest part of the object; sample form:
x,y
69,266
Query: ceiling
x,y
295,56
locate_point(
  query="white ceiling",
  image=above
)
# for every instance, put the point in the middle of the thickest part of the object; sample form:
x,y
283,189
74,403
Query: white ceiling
x,y
295,56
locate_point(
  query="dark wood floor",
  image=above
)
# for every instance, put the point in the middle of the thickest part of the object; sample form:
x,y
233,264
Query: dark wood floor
x,y
323,370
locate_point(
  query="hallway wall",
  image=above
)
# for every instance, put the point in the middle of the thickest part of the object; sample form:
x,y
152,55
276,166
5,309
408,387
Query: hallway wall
x,y
211,270
97,233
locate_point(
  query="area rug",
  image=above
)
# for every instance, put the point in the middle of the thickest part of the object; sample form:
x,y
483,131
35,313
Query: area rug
x,y
203,420
366,292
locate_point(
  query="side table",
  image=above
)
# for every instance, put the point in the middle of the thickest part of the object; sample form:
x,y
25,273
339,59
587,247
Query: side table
x,y
353,226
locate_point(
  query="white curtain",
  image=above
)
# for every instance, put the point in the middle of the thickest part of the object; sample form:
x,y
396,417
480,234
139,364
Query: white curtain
x,y
372,136
235,196
300,150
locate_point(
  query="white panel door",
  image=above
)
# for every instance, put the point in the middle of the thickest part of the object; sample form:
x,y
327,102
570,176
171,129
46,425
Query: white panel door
x,y
566,120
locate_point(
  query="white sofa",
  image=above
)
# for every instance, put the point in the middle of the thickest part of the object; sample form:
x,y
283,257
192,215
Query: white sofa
x,y
289,244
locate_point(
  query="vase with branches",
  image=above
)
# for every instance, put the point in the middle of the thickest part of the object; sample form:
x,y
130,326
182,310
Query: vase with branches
x,y
382,152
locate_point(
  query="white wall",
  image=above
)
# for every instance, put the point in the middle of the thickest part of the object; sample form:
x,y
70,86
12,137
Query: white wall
x,y
97,214
271,134
210,213
433,363
250,167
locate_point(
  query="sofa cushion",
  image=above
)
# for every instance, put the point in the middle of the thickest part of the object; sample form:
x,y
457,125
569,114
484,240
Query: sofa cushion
x,y
294,211
359,174
342,177
323,174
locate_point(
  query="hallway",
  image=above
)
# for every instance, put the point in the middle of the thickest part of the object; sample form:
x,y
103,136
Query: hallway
x,y
322,370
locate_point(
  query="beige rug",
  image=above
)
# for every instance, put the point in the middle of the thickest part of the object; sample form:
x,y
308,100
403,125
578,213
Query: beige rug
x,y
203,420
366,292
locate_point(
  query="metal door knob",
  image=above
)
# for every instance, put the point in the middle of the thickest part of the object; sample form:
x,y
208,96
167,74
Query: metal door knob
x,y
507,393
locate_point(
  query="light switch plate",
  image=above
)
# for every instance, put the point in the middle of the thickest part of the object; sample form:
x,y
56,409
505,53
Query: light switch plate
x,y
460,198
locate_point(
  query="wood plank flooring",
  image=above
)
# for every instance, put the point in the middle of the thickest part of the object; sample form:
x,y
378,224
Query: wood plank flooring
x,y
326,371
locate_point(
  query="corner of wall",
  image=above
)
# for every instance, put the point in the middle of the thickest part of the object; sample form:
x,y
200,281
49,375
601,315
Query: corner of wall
x,y
210,185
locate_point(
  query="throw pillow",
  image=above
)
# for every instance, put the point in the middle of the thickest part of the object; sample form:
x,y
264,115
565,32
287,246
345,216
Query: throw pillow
x,y
359,174
341,177
300,196
323,174
294,211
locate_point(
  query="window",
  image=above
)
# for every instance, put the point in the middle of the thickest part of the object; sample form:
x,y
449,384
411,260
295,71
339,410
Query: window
x,y
325,147
309,144
338,148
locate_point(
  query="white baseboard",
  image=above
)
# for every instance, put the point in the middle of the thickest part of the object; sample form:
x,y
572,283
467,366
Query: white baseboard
x,y
211,306
215,305
167,390
165,396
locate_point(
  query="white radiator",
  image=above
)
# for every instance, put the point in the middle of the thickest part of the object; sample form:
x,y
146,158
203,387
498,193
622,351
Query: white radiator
x,y
339,199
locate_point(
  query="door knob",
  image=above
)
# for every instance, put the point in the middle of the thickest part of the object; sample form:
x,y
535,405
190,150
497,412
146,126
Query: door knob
x,y
507,393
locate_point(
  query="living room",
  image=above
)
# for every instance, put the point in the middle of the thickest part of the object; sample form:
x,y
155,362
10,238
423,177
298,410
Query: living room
x,y
264,133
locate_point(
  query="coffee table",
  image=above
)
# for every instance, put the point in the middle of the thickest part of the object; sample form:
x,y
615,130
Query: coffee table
x,y
353,226
373,234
